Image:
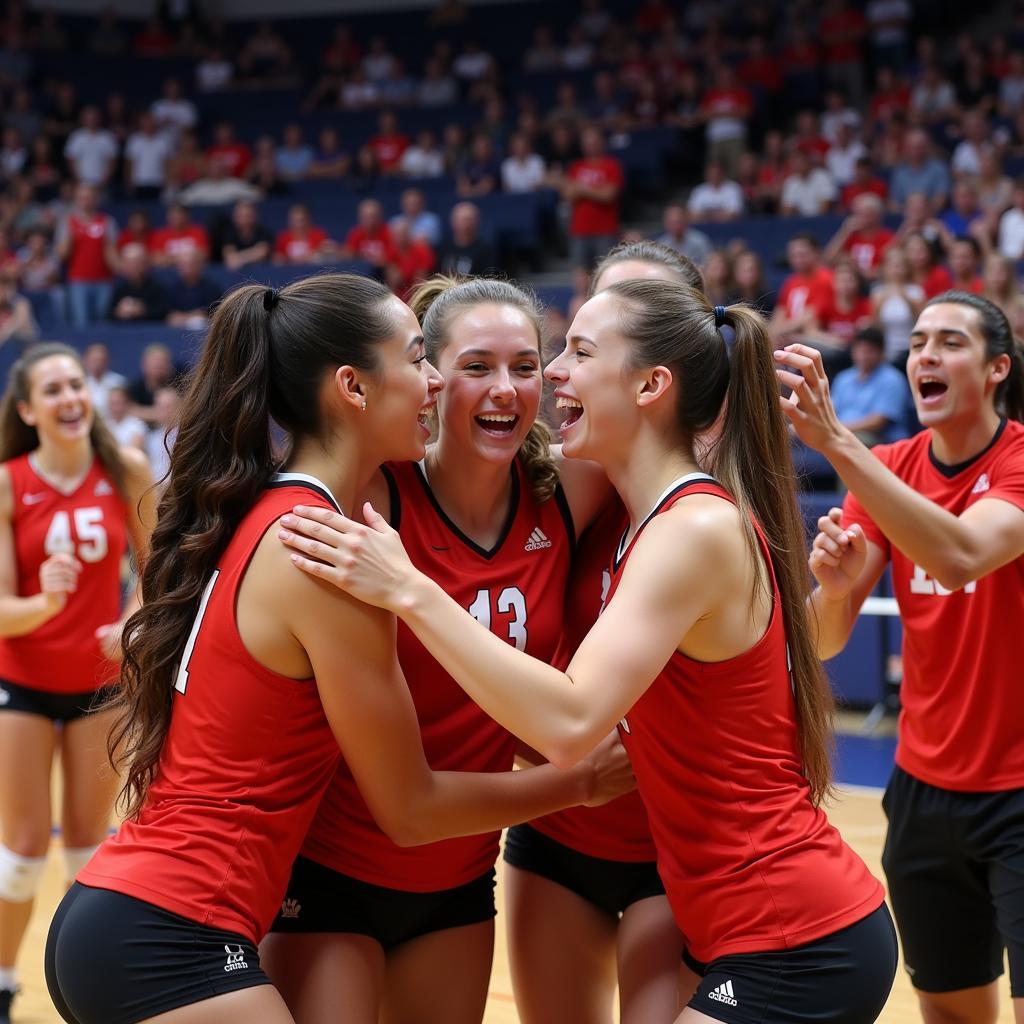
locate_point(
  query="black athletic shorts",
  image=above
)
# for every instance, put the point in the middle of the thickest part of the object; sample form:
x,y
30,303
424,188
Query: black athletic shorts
x,y
955,866
843,978
322,900
59,707
113,959
610,885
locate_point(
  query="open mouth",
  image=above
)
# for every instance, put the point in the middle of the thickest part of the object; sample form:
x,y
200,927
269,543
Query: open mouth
x,y
931,389
496,423
572,411
426,418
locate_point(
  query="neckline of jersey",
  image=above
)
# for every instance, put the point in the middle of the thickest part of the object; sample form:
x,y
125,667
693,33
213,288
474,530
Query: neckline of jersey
x,y
43,478
950,471
311,481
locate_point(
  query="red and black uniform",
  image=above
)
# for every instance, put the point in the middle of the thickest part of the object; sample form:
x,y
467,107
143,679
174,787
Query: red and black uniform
x,y
170,909
750,865
61,659
604,854
956,799
516,590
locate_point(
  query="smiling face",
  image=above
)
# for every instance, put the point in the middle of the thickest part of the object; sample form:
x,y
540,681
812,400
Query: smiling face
x,y
401,394
59,405
492,367
952,380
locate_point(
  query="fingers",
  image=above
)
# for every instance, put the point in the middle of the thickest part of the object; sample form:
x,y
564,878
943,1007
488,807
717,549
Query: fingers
x,y
327,516
318,569
64,560
309,547
312,528
374,519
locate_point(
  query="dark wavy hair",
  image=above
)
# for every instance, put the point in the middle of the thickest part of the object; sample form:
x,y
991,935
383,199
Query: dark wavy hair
x,y
265,357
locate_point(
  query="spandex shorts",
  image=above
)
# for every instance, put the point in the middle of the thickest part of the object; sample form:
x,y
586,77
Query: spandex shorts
x,y
955,867
320,899
114,959
843,978
58,707
610,885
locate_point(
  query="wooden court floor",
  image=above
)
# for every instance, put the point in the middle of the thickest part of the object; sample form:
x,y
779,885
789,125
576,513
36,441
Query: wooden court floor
x,y
857,814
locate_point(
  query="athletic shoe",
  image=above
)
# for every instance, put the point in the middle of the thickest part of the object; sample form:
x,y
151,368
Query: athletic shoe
x,y
6,998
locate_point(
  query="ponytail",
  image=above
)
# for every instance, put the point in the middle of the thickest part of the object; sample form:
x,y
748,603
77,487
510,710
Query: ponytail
x,y
673,325
752,460
437,301
265,357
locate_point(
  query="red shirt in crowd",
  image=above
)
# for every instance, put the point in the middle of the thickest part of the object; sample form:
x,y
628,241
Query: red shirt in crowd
x,y
594,216
172,241
806,291
234,157
866,249
845,323
388,150
299,248
375,247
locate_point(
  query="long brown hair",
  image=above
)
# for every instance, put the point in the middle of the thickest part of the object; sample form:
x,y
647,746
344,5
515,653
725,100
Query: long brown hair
x,y
437,301
17,437
673,325
265,357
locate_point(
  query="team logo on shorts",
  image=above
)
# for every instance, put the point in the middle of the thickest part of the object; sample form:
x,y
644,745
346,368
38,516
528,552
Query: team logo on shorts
x,y
291,909
236,959
724,994
5,696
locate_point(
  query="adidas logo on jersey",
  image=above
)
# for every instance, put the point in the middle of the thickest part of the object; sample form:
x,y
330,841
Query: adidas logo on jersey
x,y
236,959
537,540
982,485
101,488
291,909
724,994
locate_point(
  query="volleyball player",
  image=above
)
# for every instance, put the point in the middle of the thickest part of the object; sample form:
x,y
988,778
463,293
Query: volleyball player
x,y
585,906
946,510
70,501
241,681
485,515
702,654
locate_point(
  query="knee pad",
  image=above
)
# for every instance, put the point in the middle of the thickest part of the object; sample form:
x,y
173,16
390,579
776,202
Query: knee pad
x,y
20,877
75,859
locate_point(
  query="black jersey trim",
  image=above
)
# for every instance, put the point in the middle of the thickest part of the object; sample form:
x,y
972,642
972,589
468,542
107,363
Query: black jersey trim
x,y
302,480
951,471
690,480
394,498
563,506
513,511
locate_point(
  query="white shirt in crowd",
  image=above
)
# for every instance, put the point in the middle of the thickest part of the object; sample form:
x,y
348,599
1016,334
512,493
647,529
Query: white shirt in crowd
x,y
174,116
418,162
1011,233
100,389
91,153
148,155
522,175
707,200
808,196
841,163
130,432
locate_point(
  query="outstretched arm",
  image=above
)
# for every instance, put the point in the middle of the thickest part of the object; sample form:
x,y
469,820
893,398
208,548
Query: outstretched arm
x,y
669,582
952,549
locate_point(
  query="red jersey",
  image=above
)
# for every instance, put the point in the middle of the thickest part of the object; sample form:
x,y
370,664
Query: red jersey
x,y
246,759
89,238
845,323
617,830
866,250
592,216
749,863
388,149
375,247
806,291
174,241
516,589
961,662
937,282
63,654
300,248
234,157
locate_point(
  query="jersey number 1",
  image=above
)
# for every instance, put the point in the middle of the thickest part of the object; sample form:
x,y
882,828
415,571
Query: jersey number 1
x,y
511,599
181,681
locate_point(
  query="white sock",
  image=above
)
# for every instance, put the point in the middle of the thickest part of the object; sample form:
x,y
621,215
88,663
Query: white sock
x,y
8,978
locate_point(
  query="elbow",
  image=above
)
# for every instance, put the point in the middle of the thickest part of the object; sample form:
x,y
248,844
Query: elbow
x,y
572,745
406,829
955,575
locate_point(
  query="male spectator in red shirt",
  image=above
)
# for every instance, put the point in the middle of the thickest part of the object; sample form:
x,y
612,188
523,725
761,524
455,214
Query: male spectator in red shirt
x,y
592,186
87,244
370,239
302,241
389,144
806,293
233,156
862,236
865,182
178,236
726,108
411,260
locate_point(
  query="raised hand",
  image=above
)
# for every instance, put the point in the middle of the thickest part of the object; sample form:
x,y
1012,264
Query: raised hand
x,y
837,555
809,407
58,577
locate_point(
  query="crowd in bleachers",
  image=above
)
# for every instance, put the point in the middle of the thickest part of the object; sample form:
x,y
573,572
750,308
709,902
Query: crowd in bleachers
x,y
870,149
